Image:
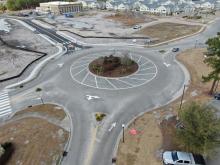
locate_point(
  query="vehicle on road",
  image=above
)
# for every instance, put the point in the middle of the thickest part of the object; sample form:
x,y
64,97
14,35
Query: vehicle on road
x,y
217,96
175,49
182,158
136,26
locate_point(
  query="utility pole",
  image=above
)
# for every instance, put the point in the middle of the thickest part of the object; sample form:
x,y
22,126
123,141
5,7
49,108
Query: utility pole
x,y
181,102
123,133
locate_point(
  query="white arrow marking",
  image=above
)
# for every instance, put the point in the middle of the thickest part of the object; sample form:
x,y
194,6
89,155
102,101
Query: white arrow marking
x,y
89,97
60,65
167,65
112,126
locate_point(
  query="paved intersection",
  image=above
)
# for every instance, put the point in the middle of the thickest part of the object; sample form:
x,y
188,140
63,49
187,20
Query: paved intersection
x,y
60,86
80,73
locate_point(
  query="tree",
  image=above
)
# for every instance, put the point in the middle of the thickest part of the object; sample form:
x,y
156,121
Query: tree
x,y
213,60
201,131
2,7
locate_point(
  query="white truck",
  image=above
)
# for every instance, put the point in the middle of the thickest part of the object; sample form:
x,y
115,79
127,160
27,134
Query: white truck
x,y
182,158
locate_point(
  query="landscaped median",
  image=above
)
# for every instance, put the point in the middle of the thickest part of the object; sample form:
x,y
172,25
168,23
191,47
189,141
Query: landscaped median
x,y
154,132
39,134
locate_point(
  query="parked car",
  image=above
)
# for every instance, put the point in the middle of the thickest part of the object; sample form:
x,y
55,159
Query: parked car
x,y
182,158
137,27
175,49
217,96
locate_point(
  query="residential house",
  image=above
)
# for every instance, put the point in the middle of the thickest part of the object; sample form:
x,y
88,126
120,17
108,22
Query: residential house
x,y
144,8
109,5
207,5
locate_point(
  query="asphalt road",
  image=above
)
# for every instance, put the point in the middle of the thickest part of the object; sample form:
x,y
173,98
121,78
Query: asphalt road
x,y
93,144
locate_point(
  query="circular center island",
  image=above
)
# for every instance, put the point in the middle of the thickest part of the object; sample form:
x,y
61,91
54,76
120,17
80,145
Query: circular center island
x,y
113,66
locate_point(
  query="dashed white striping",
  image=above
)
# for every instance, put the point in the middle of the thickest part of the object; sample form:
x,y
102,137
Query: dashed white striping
x,y
5,107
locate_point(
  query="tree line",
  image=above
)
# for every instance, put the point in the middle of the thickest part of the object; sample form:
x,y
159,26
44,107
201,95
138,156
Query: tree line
x,y
14,5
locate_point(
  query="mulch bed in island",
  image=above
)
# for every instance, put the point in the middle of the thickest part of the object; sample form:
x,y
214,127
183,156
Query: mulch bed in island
x,y
113,66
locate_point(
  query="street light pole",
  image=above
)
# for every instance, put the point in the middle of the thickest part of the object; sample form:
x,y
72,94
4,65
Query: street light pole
x,y
123,133
181,102
196,43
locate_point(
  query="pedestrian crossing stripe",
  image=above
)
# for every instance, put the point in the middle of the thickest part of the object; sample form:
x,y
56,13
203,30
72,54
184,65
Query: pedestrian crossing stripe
x,y
5,107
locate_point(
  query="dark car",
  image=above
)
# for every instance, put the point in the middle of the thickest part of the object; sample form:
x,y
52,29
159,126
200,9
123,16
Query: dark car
x,y
217,96
175,49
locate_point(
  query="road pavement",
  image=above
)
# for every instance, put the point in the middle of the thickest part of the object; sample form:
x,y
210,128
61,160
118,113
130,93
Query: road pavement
x,y
92,143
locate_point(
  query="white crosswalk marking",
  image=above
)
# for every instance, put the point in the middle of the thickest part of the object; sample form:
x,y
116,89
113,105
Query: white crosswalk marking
x,y
5,107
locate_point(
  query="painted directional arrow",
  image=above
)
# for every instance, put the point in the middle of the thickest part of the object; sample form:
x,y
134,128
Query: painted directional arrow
x,y
112,126
89,97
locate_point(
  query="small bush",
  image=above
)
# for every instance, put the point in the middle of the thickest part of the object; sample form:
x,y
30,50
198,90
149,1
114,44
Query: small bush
x,y
8,151
99,116
162,51
38,89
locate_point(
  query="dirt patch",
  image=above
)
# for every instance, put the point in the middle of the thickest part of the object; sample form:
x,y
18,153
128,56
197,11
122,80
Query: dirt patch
x,y
49,110
113,66
163,120
167,31
36,140
129,18
13,61
141,148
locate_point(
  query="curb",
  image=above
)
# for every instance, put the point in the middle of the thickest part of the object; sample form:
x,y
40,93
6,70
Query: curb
x,y
176,96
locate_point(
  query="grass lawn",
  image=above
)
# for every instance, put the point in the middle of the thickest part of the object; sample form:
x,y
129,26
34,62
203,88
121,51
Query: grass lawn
x,y
167,31
36,140
129,19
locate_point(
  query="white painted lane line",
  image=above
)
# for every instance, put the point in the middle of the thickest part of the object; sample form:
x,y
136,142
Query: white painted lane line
x,y
79,72
4,98
4,95
130,56
85,78
96,84
145,63
111,84
5,114
139,59
147,68
5,106
79,66
145,74
5,103
2,112
136,78
126,83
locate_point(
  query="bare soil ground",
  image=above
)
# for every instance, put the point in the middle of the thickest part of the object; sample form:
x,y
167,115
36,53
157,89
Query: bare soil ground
x,y
129,18
167,31
36,140
49,110
13,61
160,123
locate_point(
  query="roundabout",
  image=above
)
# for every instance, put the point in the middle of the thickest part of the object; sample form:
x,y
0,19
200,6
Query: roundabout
x,y
80,72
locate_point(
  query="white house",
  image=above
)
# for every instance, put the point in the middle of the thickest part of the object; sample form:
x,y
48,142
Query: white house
x,y
121,7
84,4
144,8
109,6
207,5
92,5
161,10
